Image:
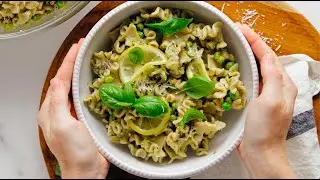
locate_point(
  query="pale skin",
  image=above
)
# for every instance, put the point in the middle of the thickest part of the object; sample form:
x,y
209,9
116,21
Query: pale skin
x,y
262,150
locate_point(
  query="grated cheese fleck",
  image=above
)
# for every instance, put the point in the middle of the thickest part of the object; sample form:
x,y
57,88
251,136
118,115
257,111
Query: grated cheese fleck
x,y
277,48
283,24
223,7
265,39
253,22
248,14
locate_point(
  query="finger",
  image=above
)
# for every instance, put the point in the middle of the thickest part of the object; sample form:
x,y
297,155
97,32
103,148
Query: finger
x,y
43,120
43,114
258,46
271,69
80,41
59,100
272,78
65,71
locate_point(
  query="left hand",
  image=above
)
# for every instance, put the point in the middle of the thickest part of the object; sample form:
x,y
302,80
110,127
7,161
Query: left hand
x,y
67,138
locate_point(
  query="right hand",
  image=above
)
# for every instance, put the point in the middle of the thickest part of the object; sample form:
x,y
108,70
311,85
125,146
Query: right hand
x,y
263,148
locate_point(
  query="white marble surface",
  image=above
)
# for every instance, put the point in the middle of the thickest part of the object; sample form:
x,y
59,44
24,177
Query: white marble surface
x,y
23,67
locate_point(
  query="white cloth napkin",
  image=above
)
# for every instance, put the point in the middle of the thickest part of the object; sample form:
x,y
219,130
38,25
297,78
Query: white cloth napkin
x,y
302,142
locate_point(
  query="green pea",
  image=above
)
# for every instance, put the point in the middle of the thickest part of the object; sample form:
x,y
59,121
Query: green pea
x,y
226,106
141,35
60,4
108,79
136,55
189,43
36,17
140,26
229,65
174,105
218,57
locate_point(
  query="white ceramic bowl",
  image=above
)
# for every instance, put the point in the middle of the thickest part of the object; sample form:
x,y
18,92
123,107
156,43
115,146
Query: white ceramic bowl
x,y
224,142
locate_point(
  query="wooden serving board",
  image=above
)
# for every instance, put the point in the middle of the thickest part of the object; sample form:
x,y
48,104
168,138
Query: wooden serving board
x,y
282,27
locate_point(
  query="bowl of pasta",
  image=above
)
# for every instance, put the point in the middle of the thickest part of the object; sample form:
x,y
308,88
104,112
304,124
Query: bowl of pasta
x,y
162,87
18,18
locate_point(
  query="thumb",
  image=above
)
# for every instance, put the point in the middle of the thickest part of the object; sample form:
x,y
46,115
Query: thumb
x,y
59,99
272,77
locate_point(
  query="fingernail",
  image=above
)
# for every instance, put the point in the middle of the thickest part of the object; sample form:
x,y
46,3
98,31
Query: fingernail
x,y
80,40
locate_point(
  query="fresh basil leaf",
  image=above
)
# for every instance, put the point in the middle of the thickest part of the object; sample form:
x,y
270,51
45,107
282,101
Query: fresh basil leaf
x,y
198,87
136,55
190,115
150,106
57,170
129,94
113,96
232,96
170,26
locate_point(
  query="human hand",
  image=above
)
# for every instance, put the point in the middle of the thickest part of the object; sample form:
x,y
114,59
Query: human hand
x,y
67,138
263,148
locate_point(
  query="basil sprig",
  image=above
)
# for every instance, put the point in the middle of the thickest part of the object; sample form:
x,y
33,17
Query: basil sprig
x,y
170,26
190,115
198,87
150,106
115,97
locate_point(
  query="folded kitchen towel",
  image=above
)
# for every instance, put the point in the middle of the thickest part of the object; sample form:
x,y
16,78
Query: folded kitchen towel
x,y
302,141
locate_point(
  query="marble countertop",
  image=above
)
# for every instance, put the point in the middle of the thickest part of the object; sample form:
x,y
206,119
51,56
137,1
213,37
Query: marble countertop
x,y
24,65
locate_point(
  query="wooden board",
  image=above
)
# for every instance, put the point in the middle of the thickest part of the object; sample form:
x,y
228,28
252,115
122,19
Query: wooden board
x,y
283,28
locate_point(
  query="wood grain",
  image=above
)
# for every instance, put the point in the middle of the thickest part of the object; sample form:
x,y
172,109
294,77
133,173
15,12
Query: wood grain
x,y
288,32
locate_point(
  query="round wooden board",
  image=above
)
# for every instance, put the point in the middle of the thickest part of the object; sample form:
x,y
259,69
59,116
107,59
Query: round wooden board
x,y
283,28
